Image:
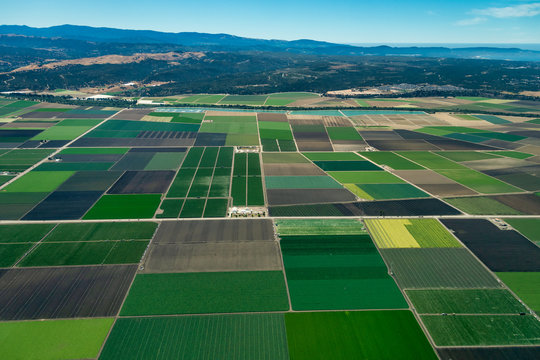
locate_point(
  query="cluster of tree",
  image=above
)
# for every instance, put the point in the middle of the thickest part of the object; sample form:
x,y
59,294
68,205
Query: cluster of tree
x,y
263,72
109,102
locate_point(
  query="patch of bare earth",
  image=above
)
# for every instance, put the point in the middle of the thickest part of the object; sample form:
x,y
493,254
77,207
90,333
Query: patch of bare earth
x,y
115,59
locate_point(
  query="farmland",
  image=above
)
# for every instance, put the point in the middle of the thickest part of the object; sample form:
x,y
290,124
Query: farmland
x,y
245,233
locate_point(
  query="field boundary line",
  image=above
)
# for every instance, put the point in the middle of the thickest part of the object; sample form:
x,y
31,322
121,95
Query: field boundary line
x,y
29,251
58,150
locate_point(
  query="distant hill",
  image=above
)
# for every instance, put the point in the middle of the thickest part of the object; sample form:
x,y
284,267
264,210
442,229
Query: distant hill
x,y
228,42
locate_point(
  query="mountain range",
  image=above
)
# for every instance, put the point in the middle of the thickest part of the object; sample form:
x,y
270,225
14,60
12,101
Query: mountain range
x,y
226,42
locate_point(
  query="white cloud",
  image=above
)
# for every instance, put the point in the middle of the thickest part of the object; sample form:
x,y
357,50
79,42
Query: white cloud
x,y
523,10
472,21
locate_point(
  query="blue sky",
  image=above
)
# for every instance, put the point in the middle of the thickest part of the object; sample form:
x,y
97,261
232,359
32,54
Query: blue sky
x,y
345,21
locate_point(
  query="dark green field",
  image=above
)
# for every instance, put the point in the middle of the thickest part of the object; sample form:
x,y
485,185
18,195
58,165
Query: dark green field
x,y
356,335
242,337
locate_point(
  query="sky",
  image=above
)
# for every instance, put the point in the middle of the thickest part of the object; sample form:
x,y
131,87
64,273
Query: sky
x,y
341,21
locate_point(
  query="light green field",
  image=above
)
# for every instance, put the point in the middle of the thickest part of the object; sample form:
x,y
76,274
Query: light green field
x,y
528,227
481,206
430,160
278,102
479,182
244,99
39,181
466,155
284,158
525,285
294,95
53,339
391,159
58,132
319,226
410,233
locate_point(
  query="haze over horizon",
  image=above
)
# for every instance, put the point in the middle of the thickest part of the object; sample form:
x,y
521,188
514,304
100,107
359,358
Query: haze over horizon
x,y
342,21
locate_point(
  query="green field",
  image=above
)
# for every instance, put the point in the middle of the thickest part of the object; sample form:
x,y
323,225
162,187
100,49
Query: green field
x,y
186,118
10,253
83,166
244,99
410,233
103,231
247,187
171,208
182,182
483,330
430,160
21,159
216,208
39,181
501,136
201,182
512,154
124,207
53,339
478,181
319,226
197,293
5,178
291,158
193,208
165,161
391,191
356,335
94,151
365,177
524,285
337,272
235,337
220,182
527,227
62,132
460,156
481,206
301,182
343,133
332,156
467,117
438,268
391,159
255,195
278,102
21,233
465,301
358,165
85,253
